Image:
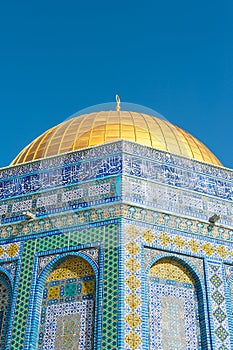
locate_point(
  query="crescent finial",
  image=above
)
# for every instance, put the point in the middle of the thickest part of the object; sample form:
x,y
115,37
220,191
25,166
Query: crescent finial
x,y
118,103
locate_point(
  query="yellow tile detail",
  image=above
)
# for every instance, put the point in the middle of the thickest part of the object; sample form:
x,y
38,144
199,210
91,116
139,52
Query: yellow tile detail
x,y
53,292
194,245
132,248
133,282
208,248
12,250
133,340
148,235
71,268
164,239
1,251
88,287
132,265
171,270
133,319
179,242
133,300
222,251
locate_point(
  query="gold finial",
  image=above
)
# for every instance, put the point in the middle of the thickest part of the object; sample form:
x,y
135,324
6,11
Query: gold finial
x,y
118,103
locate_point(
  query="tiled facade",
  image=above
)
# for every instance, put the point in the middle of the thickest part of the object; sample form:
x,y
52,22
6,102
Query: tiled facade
x,y
120,253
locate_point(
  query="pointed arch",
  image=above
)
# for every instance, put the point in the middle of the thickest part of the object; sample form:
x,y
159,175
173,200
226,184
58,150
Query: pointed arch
x,y
176,305
65,298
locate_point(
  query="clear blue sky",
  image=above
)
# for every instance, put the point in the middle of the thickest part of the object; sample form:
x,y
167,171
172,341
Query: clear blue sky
x,y
57,57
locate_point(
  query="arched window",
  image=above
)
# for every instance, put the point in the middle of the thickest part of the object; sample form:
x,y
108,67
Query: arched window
x,y
174,309
5,306
67,310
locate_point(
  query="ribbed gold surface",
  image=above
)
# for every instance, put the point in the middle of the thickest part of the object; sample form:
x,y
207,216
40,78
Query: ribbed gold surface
x,y
96,128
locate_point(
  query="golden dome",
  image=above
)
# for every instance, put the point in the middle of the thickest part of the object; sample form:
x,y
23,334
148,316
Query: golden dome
x,y
96,128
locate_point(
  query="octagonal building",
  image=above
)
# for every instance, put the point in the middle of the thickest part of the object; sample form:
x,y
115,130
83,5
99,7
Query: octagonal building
x,y
116,233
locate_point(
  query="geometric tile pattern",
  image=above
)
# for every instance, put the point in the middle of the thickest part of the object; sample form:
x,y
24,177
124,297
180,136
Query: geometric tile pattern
x,y
104,232
45,260
174,322
134,238
133,300
3,313
174,312
10,250
150,254
133,251
185,186
69,269
68,326
67,310
167,269
192,245
218,306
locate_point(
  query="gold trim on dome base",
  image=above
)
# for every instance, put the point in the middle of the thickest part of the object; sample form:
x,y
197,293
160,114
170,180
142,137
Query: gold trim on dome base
x,y
96,128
